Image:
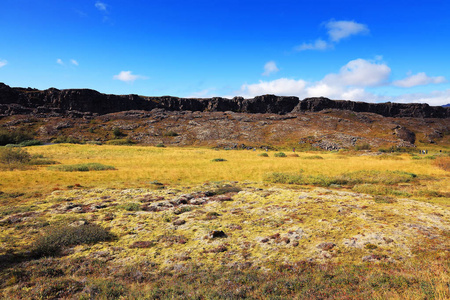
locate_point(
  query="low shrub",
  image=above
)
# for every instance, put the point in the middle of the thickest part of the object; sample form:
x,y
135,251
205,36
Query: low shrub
x,y
56,238
362,147
13,137
120,142
82,167
118,133
66,140
160,145
30,143
263,155
280,154
171,133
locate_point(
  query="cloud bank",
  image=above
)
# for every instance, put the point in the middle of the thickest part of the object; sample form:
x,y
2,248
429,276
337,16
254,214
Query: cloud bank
x,y
351,83
3,63
418,79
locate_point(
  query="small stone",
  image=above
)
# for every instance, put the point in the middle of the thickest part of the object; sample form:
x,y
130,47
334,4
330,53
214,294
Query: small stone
x,y
179,222
326,246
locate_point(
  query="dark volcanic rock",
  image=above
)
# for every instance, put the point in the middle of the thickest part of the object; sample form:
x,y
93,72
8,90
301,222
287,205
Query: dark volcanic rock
x,y
81,102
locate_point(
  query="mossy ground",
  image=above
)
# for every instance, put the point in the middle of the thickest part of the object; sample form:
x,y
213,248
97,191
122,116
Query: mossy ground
x,y
280,241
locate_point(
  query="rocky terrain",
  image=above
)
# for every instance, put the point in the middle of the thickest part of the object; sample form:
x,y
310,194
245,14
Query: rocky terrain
x,y
78,102
265,121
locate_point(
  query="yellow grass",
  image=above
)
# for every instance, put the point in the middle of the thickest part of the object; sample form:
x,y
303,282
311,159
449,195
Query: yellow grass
x,y
137,165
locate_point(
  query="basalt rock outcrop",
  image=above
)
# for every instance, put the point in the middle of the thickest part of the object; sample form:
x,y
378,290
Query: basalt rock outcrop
x,y
79,102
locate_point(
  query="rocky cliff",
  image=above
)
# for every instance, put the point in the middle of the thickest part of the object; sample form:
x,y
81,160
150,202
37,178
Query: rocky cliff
x,y
78,102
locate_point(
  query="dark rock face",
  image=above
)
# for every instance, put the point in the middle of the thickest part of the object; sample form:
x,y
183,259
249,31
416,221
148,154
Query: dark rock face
x,y
405,134
79,102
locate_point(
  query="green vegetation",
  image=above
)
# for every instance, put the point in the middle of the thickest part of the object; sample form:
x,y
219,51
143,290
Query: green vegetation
x,y
362,147
132,206
313,157
280,154
82,167
218,159
67,140
171,133
118,133
263,155
122,142
56,238
362,181
14,137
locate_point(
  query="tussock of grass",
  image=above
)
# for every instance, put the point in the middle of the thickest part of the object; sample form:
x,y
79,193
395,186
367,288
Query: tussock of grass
x,y
280,154
218,159
59,237
132,206
377,189
82,167
313,157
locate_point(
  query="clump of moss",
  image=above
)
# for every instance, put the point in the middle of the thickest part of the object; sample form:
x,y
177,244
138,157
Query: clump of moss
x,y
132,206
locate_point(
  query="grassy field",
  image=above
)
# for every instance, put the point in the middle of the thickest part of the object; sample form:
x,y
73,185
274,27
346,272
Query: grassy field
x,y
195,223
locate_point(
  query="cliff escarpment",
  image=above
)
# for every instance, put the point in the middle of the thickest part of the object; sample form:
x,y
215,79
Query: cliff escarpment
x,y
78,102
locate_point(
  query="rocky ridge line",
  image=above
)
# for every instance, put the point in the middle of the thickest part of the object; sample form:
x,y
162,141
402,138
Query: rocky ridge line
x,y
79,102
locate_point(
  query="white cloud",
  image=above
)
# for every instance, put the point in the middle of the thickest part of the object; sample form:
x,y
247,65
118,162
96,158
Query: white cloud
x,y
418,79
359,72
319,44
74,62
3,63
101,6
337,30
269,68
59,61
126,76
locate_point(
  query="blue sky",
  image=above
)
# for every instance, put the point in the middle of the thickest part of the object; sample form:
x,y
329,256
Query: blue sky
x,y
364,50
